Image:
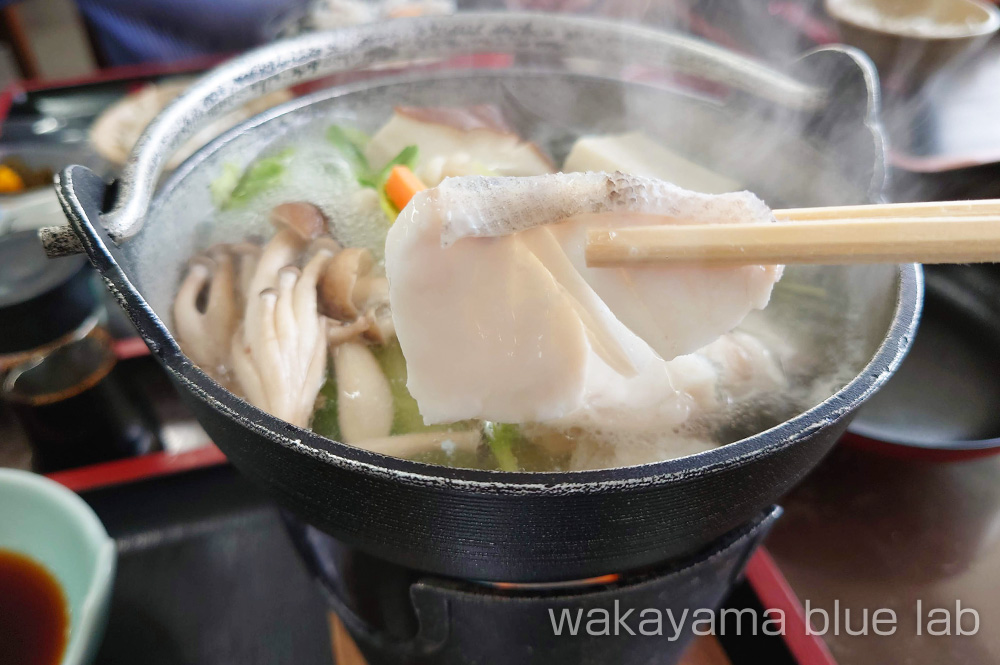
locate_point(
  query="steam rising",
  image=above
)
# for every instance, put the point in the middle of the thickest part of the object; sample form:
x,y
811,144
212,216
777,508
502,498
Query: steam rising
x,y
830,319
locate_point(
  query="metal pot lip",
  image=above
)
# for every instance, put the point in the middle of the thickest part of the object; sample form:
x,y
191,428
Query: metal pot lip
x,y
883,363
872,112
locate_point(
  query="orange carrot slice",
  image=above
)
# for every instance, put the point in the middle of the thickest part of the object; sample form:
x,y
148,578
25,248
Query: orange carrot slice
x,y
401,185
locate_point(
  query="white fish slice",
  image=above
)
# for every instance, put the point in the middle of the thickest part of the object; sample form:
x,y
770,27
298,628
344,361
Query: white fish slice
x,y
675,309
494,324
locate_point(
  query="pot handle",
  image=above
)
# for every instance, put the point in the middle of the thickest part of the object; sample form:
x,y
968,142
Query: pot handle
x,y
286,63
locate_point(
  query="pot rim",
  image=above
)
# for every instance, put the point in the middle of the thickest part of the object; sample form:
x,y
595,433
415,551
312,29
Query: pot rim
x,y
882,364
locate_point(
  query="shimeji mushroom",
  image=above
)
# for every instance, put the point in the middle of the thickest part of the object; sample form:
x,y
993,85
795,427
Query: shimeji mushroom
x,y
204,333
380,328
344,287
245,256
364,398
353,289
297,223
338,332
415,443
279,355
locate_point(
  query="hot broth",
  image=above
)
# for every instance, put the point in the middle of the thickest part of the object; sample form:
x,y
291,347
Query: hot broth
x,y
258,315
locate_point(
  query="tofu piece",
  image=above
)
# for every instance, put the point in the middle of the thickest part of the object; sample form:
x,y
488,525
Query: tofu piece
x,y
640,155
456,141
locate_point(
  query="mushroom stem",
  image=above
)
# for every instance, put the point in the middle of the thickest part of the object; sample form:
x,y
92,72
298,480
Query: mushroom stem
x,y
304,302
282,250
246,373
338,333
409,445
364,398
204,335
221,313
246,255
280,356
187,319
286,323
266,351
314,377
297,223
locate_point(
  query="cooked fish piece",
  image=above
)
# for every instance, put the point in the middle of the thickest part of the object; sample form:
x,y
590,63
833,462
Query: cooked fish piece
x,y
500,318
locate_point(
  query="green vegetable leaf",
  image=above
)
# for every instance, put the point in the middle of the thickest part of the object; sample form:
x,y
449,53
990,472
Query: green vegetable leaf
x,y
406,413
501,438
406,157
259,176
326,418
223,186
388,207
351,143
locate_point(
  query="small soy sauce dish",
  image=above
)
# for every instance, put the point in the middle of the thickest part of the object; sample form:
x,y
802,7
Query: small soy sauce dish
x,y
943,404
57,569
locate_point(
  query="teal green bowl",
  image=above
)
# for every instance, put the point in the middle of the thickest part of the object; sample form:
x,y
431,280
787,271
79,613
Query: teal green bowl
x,y
43,520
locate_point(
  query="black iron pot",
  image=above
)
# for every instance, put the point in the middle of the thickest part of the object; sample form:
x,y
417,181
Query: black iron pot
x,y
813,139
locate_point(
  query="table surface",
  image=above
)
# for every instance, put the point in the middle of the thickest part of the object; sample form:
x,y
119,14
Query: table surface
x,y
875,532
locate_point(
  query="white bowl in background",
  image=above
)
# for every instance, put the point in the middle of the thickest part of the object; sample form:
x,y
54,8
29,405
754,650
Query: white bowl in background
x,y
909,40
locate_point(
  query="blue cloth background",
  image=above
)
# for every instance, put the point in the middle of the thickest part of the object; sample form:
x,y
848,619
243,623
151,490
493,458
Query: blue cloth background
x,y
135,31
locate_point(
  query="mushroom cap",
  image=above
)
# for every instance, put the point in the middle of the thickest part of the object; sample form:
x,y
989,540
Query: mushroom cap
x,y
202,261
243,249
201,268
219,259
336,286
323,243
381,328
338,333
288,276
217,250
303,218
375,292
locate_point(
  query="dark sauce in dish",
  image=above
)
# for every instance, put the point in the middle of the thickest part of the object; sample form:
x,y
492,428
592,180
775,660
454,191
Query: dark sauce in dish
x,y
34,617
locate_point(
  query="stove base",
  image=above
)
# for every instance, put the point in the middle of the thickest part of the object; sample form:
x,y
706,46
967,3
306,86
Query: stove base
x,y
398,616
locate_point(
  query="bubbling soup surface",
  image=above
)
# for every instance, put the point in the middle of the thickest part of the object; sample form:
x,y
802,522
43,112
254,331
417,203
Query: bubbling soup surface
x,y
302,321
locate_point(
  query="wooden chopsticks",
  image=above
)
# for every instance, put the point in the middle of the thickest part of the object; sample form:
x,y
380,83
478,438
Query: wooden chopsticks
x,y
946,232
